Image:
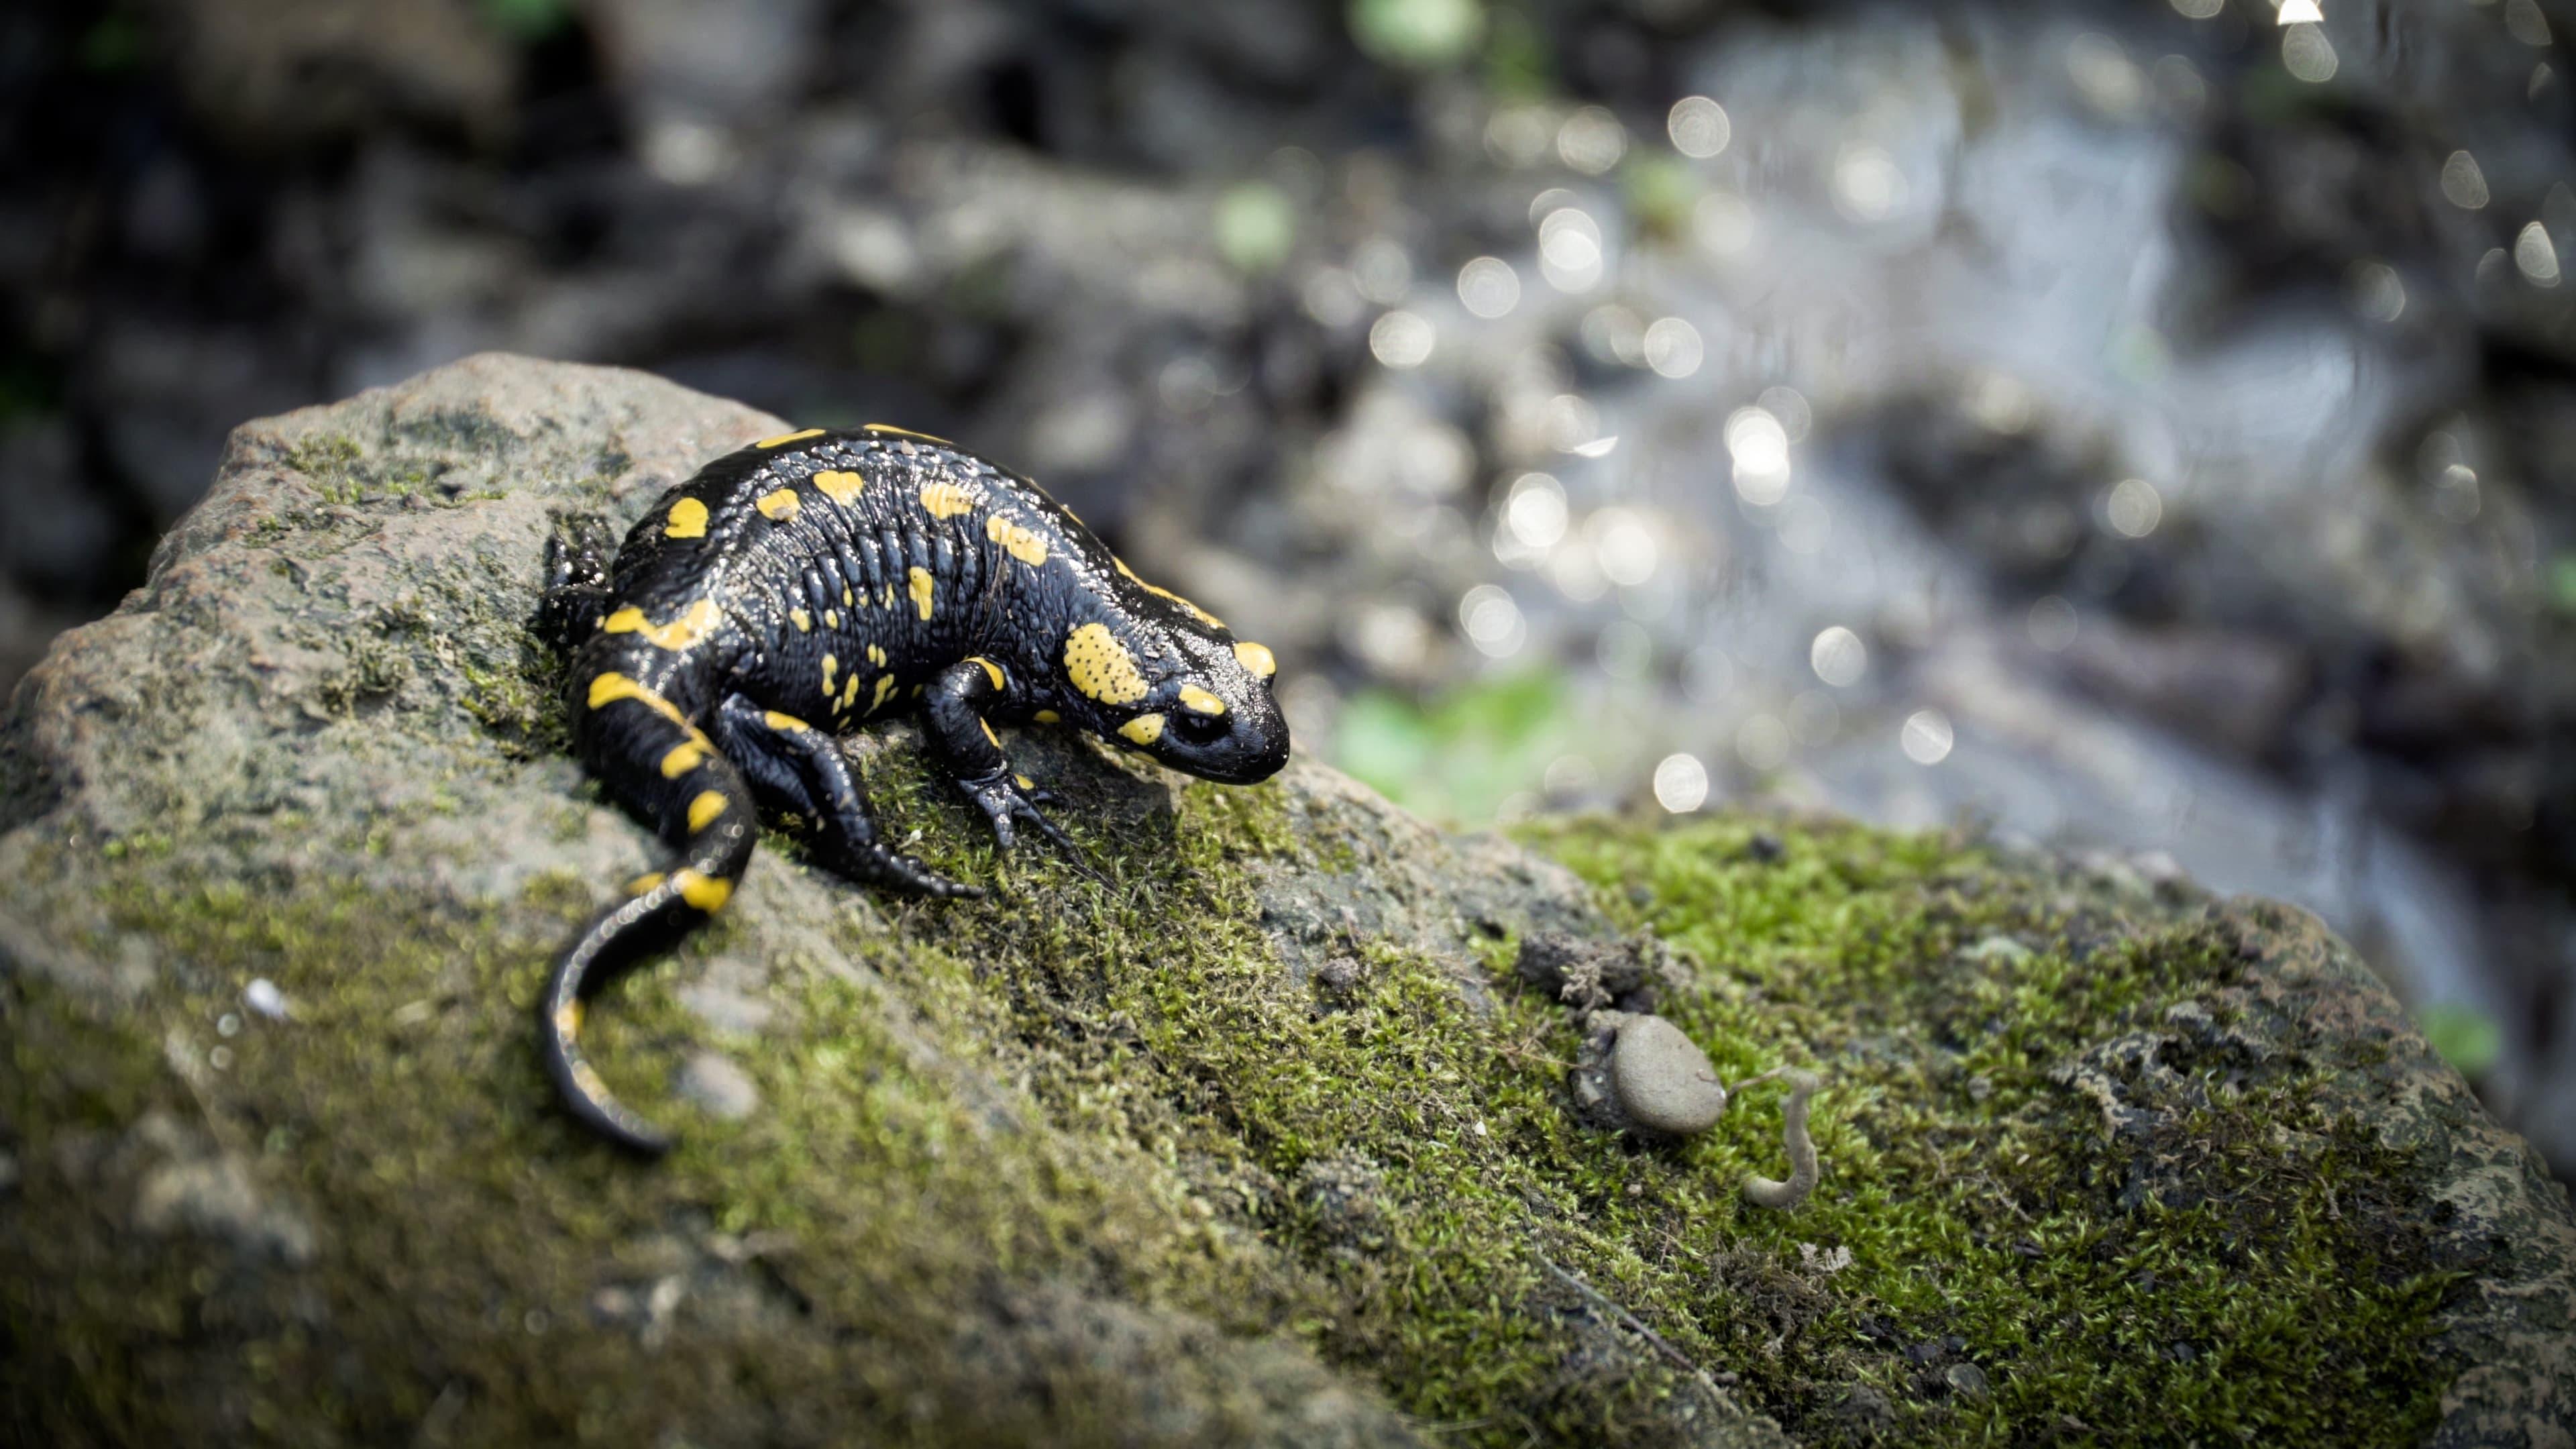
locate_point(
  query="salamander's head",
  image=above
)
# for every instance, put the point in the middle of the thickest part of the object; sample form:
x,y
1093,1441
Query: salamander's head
x,y
1168,681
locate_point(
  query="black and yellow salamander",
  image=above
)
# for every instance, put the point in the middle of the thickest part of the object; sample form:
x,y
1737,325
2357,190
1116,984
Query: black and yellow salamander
x,y
814,580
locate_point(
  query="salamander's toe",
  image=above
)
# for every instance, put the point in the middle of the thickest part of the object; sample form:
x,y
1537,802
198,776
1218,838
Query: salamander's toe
x,y
883,865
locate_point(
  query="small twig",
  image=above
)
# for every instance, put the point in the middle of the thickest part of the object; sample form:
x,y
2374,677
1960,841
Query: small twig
x,y
1635,1325
1769,1192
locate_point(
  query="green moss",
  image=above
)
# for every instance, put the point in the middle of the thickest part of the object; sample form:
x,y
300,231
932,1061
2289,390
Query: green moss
x,y
330,461
2225,1263
374,670
401,1105
1104,1081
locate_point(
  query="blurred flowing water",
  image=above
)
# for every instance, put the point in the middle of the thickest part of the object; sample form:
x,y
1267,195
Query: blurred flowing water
x,y
1851,486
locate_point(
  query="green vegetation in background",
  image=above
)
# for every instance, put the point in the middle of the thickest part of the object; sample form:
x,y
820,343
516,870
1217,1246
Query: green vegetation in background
x,y
1256,226
1417,34
2467,1038
112,44
1457,757
526,21
29,388
1518,65
1660,191
2562,582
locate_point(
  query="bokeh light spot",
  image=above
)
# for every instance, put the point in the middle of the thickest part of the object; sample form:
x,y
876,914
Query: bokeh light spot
x,y
1488,287
1402,339
1838,657
2463,184
1535,510
2307,54
1925,737
1673,347
1867,184
2536,255
1591,140
1492,621
2133,507
1681,783
1699,127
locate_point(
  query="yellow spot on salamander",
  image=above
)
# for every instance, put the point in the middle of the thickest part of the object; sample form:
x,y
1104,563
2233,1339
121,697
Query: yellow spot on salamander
x,y
704,809
850,692
1158,591
645,882
683,759
688,520
779,721
885,686
1255,658
783,439
607,689
842,488
1024,782
1029,548
1100,666
992,671
989,735
1199,701
707,893
845,596
920,578
1047,716
947,500
831,666
701,620
1144,729
803,621
906,432
781,505
877,655
831,618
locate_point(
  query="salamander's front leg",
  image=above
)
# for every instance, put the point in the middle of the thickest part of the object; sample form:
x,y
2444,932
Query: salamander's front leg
x,y
955,709
795,767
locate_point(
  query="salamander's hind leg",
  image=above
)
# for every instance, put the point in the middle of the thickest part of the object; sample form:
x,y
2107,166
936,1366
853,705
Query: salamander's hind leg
x,y
956,708
576,579
794,766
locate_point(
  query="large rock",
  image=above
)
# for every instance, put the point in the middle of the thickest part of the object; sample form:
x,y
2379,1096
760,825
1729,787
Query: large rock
x,y
1257,1138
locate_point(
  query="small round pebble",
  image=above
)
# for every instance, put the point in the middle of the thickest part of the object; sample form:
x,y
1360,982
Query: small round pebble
x,y
1662,1080
1966,1380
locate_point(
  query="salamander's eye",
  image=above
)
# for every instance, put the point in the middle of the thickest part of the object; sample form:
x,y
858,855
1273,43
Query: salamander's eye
x,y
1200,729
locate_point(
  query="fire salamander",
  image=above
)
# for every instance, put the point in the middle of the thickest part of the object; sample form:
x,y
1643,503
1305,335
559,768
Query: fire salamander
x,y
814,580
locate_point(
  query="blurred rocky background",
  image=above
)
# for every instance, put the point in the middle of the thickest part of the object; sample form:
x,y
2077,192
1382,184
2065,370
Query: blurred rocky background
x,y
2144,425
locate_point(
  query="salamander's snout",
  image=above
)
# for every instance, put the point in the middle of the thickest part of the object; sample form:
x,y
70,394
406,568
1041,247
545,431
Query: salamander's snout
x,y
1242,743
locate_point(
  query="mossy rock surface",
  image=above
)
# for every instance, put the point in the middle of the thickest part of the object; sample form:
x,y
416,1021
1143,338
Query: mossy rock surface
x,y
1254,1137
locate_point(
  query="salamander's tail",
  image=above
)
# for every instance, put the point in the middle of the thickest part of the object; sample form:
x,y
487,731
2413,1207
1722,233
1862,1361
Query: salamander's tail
x,y
652,758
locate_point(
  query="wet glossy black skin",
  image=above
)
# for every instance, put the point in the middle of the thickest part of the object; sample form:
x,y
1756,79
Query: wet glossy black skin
x,y
806,583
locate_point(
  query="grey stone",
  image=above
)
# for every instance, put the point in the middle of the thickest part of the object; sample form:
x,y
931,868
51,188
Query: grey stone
x,y
719,1086
1663,1080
